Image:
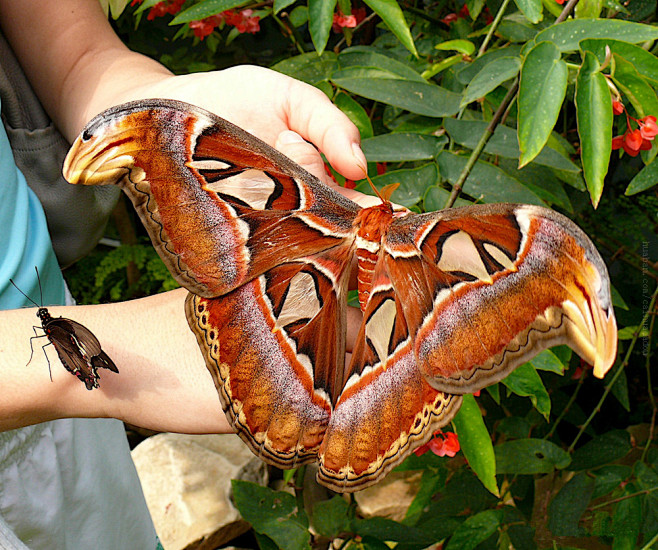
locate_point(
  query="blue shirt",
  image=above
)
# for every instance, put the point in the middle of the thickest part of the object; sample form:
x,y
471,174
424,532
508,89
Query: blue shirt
x,y
24,240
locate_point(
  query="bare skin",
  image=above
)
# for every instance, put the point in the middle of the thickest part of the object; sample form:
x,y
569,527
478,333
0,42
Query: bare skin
x,y
79,67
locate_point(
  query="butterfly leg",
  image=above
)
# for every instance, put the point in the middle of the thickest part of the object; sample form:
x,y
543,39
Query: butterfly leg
x,y
42,347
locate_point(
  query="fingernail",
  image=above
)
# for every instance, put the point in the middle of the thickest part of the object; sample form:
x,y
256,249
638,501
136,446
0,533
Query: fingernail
x,y
359,156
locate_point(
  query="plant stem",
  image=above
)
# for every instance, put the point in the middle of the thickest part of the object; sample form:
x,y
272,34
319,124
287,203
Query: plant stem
x,y
625,497
511,94
612,382
486,136
652,399
493,27
650,544
299,487
291,31
565,410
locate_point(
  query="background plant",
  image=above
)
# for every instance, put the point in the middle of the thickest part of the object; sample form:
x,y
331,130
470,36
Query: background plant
x,y
534,101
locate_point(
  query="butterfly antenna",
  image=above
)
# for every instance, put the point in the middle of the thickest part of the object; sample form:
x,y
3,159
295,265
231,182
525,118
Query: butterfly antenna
x,y
23,293
39,281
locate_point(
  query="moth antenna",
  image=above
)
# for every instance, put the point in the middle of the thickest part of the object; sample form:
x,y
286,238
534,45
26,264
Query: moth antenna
x,y
23,293
385,194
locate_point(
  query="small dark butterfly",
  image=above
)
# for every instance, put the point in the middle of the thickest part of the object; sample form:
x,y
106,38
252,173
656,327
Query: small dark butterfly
x,y
78,349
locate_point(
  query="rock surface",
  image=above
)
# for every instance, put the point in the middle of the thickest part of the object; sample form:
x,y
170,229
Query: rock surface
x,y
391,497
187,484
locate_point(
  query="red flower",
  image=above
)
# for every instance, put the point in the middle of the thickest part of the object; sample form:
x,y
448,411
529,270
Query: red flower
x,y
476,393
342,21
244,21
634,141
617,107
163,8
450,18
442,444
560,2
204,27
648,127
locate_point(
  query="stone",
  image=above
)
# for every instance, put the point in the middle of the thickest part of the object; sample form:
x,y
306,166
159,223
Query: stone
x,y
391,497
187,484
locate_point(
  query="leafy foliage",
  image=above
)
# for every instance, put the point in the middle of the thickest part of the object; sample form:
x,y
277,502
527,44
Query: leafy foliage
x,y
461,102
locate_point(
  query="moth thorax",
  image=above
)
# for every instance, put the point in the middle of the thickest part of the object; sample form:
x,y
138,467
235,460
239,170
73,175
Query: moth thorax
x,y
373,224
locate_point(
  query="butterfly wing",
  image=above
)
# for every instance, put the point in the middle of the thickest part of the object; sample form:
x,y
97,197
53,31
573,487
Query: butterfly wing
x,y
221,207
62,334
492,286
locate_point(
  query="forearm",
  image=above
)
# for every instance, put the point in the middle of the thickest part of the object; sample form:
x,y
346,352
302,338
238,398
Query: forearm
x,y
162,383
74,60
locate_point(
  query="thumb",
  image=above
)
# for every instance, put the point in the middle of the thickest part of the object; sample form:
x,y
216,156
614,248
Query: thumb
x,y
307,156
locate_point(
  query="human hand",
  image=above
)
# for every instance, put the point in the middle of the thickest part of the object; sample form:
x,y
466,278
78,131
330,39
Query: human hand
x,y
270,105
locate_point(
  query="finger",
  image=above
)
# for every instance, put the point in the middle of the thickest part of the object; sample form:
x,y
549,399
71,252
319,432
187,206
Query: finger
x,y
311,114
303,153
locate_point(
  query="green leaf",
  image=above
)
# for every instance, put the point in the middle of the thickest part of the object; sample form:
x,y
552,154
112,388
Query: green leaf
x,y
402,147
431,483
391,531
568,506
532,9
204,9
516,28
633,85
567,35
466,74
436,198
309,67
299,16
370,73
391,14
525,381
320,19
272,513
475,530
609,478
486,182
475,442
548,361
646,63
367,56
442,65
490,77
282,5
503,143
627,521
529,456
416,97
620,389
541,93
465,47
594,115
541,180
513,427
413,183
356,113
330,517
588,9
644,179
601,450
474,8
